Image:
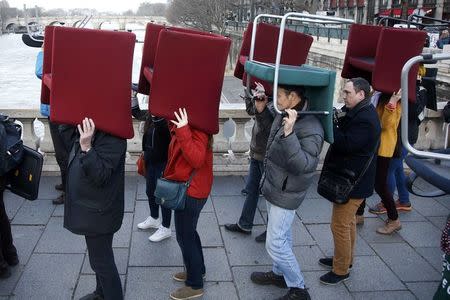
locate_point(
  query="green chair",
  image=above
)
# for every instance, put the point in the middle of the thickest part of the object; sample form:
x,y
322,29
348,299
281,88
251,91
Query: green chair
x,y
319,84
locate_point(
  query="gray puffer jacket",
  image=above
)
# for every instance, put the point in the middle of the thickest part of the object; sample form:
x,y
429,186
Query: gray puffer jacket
x,y
291,161
261,128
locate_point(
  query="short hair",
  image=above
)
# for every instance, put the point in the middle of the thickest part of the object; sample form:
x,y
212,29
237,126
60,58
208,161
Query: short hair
x,y
298,89
360,84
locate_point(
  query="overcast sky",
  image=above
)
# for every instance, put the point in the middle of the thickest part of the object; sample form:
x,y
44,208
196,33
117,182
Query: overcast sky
x,y
100,5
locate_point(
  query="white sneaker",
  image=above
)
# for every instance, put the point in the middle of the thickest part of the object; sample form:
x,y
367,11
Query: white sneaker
x,y
161,234
149,223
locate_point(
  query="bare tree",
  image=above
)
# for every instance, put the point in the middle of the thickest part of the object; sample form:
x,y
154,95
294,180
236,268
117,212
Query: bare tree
x,y
208,15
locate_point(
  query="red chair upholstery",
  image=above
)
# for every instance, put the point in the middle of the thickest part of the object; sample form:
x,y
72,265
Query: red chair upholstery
x,y
47,65
149,52
295,49
188,72
379,53
91,77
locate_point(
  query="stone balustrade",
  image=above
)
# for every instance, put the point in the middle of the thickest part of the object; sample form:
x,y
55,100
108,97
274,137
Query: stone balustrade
x,y
431,137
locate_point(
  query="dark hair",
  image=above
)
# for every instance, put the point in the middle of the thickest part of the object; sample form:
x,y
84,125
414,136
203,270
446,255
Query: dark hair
x,y
298,89
360,84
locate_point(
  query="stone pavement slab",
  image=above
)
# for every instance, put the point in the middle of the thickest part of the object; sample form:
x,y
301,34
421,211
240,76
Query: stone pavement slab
x,y
370,273
36,212
54,263
61,275
400,257
57,239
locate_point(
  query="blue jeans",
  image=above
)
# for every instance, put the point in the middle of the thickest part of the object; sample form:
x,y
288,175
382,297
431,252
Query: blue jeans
x,y
396,177
279,245
189,241
251,201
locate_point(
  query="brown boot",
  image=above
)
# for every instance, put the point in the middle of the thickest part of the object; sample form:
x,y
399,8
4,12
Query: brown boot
x,y
182,276
359,220
390,227
186,292
59,200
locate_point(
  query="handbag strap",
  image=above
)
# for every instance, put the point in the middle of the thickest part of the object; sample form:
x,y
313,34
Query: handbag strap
x,y
188,183
369,161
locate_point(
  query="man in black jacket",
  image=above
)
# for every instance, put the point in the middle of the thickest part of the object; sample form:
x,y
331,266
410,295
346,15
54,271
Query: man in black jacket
x,y
356,136
94,203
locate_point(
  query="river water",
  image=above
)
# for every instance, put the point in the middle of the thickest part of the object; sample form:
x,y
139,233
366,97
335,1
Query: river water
x,y
19,86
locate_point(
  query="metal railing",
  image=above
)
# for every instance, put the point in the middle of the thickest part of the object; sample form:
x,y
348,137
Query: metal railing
x,y
289,16
426,58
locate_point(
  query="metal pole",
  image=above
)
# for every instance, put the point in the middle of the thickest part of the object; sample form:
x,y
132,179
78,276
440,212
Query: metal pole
x,y
404,119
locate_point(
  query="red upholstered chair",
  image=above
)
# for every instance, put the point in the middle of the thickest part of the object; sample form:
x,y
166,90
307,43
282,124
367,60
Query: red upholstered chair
x,y
149,52
379,53
47,65
188,72
91,77
295,49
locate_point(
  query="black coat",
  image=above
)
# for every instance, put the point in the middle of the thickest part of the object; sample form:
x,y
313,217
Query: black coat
x,y
94,202
356,138
156,138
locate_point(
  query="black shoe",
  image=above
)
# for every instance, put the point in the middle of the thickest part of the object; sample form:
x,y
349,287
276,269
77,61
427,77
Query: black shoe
x,y
59,187
332,279
92,296
4,271
266,278
327,262
244,192
236,228
59,200
296,294
261,238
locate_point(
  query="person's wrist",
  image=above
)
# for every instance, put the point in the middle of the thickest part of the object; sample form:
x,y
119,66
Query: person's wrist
x,y
85,149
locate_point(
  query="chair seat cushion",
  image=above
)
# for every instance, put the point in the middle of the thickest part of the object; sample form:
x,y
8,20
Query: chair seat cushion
x,y
148,74
363,63
292,75
47,80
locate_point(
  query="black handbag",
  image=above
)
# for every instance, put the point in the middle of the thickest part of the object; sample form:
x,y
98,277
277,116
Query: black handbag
x,y
24,179
172,194
336,183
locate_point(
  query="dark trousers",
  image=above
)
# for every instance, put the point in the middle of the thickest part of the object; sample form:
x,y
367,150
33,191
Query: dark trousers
x,y
382,188
61,153
154,171
6,241
251,201
189,241
101,258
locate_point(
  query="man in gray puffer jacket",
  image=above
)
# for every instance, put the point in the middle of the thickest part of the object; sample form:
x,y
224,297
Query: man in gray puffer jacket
x,y
293,149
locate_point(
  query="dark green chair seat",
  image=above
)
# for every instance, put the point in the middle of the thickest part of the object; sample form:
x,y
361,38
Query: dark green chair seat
x,y
319,84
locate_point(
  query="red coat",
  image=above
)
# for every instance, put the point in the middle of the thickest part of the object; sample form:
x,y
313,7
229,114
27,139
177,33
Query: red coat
x,y
188,150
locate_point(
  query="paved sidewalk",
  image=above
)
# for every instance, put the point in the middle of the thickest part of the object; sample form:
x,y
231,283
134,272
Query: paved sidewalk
x,y
54,263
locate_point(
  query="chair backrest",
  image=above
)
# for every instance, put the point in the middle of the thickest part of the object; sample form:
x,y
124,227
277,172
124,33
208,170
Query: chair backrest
x,y
149,50
296,46
188,73
47,62
362,42
91,77
395,47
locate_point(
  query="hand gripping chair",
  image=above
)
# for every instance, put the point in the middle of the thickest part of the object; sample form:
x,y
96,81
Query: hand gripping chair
x,y
149,52
295,49
379,53
88,74
188,73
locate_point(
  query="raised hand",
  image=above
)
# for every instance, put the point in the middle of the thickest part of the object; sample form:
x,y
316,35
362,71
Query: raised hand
x,y
289,121
86,133
182,118
396,97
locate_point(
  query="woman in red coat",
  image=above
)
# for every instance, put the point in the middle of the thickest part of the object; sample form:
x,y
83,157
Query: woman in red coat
x,y
190,150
